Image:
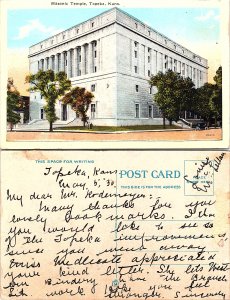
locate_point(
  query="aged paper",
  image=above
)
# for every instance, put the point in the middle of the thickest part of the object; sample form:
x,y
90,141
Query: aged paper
x,y
105,225
21,20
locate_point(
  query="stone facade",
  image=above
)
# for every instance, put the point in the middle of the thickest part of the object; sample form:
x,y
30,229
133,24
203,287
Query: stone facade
x,y
113,55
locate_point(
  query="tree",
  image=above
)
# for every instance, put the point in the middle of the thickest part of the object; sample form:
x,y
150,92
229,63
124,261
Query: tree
x,y
13,97
174,94
203,102
79,100
216,98
208,103
51,86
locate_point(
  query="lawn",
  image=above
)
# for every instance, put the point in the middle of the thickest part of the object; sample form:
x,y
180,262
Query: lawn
x,y
120,128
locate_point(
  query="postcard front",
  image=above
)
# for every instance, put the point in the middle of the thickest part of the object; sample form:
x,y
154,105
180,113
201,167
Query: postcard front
x,y
106,225
115,74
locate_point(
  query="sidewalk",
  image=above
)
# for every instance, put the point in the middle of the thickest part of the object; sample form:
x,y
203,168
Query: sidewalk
x,y
169,135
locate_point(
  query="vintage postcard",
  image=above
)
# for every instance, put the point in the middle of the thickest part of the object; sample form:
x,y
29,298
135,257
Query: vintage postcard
x,y
114,74
146,225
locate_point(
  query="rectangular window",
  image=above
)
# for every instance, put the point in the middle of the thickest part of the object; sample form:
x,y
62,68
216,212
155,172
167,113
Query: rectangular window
x,y
150,90
93,88
135,69
95,54
135,43
150,111
149,32
137,110
79,58
92,24
149,73
95,69
175,65
135,54
93,110
137,88
148,59
183,69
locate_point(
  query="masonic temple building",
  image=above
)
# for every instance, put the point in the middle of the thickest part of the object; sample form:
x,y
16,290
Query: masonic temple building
x,y
113,55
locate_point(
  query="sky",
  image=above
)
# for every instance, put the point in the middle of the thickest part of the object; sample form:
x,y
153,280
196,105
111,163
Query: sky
x,y
197,29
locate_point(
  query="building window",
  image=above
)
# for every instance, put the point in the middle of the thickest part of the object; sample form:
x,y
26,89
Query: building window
x,y
170,61
95,53
148,59
77,30
137,110
150,90
137,88
42,113
135,44
135,69
63,37
95,69
79,58
136,25
165,42
93,88
150,111
93,110
183,69
149,73
149,32
92,24
135,54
